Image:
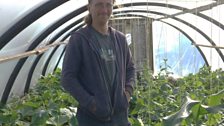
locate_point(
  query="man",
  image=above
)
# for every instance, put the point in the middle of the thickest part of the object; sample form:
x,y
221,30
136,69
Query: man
x,y
98,70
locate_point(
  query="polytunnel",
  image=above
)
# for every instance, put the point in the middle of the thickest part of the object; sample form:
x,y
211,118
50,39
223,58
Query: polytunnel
x,y
178,36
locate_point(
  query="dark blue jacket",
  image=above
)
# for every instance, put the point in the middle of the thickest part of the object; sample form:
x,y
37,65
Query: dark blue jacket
x,y
82,76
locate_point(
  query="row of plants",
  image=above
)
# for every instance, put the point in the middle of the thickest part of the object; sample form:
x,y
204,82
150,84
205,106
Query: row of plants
x,y
161,100
46,104
194,100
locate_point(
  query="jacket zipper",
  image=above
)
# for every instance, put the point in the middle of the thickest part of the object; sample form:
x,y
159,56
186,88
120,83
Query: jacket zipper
x,y
98,59
117,65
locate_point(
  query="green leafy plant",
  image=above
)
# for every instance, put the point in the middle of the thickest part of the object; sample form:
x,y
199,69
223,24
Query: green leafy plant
x,y
160,100
46,104
192,100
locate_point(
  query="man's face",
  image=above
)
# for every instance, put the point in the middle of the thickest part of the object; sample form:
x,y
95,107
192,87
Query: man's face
x,y
101,10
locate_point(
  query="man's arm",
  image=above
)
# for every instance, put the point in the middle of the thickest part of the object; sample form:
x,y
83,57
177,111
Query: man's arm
x,y
70,70
130,75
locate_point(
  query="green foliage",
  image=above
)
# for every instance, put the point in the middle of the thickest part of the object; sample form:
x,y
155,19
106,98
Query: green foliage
x,y
160,100
45,104
192,100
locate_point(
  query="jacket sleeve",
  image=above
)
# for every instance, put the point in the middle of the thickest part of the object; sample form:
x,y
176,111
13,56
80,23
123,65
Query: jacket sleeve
x,y
130,71
70,70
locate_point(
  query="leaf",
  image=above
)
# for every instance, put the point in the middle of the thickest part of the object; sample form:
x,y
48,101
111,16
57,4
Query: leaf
x,y
165,87
65,111
58,120
9,118
73,109
26,111
214,109
135,122
73,121
39,118
22,123
52,105
31,104
215,99
198,110
176,118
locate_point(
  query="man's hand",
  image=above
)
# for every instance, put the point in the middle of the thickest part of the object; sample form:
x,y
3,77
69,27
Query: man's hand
x,y
128,96
93,106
